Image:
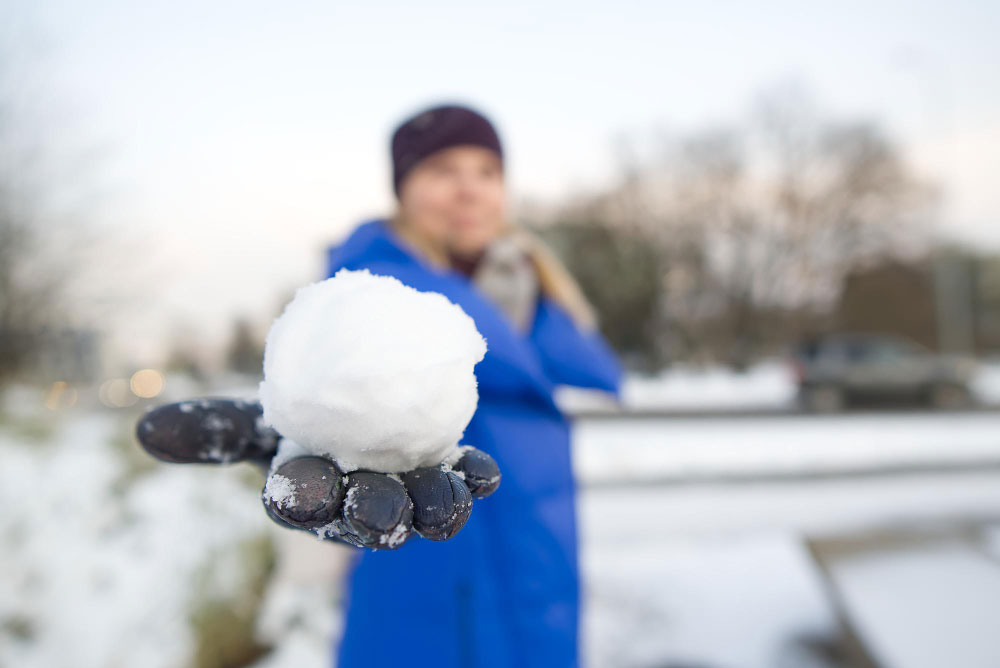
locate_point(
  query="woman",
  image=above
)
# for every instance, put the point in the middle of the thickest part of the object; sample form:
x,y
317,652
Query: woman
x,y
505,590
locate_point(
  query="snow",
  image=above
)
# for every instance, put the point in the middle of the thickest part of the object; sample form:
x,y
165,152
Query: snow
x,y
300,615
726,601
692,536
718,575
452,459
705,448
396,537
372,372
629,517
102,562
926,606
280,490
991,540
349,500
768,385
287,450
328,530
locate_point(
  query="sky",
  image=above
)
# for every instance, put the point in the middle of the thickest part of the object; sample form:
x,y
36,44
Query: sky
x,y
235,140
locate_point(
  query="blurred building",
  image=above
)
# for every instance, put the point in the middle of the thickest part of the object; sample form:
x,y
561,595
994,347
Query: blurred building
x,y
986,280
950,302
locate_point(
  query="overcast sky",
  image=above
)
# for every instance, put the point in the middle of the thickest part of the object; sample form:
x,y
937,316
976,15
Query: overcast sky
x,y
239,138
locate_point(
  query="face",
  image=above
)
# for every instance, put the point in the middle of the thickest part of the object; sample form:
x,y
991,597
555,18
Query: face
x,y
456,197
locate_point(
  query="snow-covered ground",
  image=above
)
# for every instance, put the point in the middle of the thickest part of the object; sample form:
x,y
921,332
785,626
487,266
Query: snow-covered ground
x,y
106,553
746,602
925,606
100,563
769,385
719,574
698,448
766,385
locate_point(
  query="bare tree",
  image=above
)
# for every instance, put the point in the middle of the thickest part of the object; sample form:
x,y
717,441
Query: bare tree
x,y
758,222
45,236
627,306
245,353
788,205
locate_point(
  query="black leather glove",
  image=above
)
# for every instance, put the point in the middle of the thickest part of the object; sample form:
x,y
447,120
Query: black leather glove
x,y
310,492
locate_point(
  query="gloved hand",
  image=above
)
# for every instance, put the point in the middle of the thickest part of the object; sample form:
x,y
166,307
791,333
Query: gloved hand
x,y
310,492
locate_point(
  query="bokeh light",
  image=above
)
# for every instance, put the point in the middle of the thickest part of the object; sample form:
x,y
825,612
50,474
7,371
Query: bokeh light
x,y
116,393
146,383
60,395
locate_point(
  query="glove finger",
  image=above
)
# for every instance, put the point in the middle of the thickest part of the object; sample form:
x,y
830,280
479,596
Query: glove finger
x,y
279,520
377,512
441,502
323,532
206,431
305,492
479,470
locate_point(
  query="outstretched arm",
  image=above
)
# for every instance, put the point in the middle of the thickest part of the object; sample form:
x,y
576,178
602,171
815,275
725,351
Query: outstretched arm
x,y
312,493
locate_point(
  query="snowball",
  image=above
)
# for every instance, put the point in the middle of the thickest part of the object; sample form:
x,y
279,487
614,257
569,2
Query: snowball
x,y
371,372
287,450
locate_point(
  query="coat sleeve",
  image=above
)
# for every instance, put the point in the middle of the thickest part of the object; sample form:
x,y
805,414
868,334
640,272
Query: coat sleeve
x,y
573,357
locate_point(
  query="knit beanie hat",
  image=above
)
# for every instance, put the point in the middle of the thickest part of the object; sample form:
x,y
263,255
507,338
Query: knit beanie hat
x,y
436,128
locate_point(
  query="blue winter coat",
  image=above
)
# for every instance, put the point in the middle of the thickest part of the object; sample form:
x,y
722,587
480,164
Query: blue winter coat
x,y
505,590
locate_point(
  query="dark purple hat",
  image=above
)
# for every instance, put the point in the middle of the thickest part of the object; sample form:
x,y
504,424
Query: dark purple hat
x,y
436,128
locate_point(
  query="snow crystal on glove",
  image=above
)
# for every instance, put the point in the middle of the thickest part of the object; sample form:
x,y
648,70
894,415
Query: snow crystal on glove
x,y
280,490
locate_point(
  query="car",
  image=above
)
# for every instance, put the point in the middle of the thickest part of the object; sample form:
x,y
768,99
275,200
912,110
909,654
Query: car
x,y
838,370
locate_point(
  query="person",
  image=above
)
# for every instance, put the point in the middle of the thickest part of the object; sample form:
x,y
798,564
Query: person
x,y
500,588
505,591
